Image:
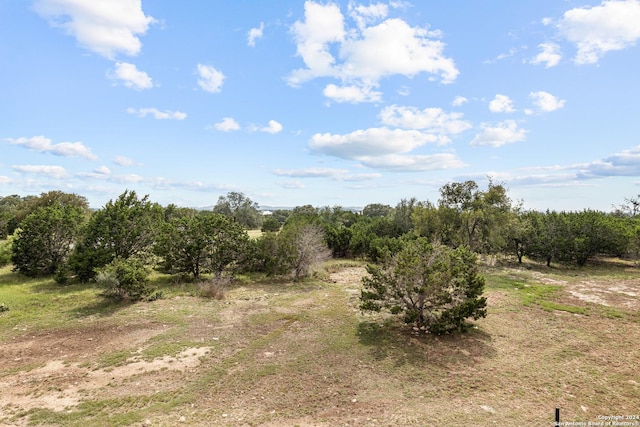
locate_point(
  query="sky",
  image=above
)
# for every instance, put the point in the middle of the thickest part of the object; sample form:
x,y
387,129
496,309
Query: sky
x,y
321,102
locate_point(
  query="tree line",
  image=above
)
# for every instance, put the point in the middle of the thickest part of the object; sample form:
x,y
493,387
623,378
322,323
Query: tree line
x,y
411,246
57,232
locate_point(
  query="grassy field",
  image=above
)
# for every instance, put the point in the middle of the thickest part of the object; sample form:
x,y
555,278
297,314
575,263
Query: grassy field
x,y
276,353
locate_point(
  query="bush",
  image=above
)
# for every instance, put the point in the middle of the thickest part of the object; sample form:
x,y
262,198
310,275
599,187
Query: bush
x,y
213,288
5,251
124,280
436,288
270,224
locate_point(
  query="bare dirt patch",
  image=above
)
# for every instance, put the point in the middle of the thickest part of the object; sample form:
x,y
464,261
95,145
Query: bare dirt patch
x,y
59,385
609,292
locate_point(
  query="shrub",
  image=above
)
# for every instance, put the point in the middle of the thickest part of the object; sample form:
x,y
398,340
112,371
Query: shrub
x,y
436,288
5,251
124,280
213,288
271,224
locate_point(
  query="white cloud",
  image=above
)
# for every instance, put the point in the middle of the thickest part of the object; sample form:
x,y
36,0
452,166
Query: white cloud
x,y
506,132
394,47
45,145
210,79
459,100
55,172
105,27
157,114
273,128
102,170
501,104
369,142
352,94
323,24
130,76
291,185
613,25
383,148
430,119
626,163
545,102
365,54
332,173
227,124
5,180
126,179
311,172
255,34
124,161
366,15
414,163
550,55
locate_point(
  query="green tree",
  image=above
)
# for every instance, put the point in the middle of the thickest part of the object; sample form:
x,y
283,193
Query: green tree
x,y
402,214
241,208
6,248
375,210
366,230
270,224
46,238
549,236
472,217
10,209
124,228
200,244
433,286
427,221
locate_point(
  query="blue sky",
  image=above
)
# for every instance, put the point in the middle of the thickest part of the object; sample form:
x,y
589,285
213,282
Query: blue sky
x,y
322,103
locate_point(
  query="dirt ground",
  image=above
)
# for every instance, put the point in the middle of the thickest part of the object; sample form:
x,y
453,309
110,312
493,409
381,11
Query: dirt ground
x,y
518,365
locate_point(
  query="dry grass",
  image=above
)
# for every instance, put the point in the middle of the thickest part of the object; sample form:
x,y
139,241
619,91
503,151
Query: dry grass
x,y
284,354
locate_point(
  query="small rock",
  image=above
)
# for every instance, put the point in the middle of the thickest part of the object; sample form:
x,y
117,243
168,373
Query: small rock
x,y
147,422
584,408
183,419
488,408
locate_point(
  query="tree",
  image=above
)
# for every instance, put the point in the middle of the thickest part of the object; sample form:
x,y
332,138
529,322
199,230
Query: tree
x,y
366,230
46,239
302,245
435,287
270,224
14,209
402,214
427,221
124,228
10,208
471,217
375,210
200,244
241,208
549,236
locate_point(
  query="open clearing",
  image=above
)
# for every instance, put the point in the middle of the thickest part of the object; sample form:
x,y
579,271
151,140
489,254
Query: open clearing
x,y
275,353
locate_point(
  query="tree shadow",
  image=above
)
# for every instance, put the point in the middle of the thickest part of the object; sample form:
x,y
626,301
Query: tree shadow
x,y
396,341
101,308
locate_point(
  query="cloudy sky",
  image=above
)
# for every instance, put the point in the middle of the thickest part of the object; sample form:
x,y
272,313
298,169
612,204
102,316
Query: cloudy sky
x,y
322,103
